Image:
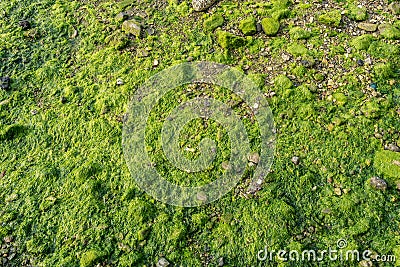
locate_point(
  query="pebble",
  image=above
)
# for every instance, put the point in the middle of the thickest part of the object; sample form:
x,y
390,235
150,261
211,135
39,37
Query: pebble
x,y
155,63
368,61
360,62
225,165
8,239
25,25
120,81
162,262
201,5
296,160
378,183
373,86
221,262
338,191
5,82
132,27
392,147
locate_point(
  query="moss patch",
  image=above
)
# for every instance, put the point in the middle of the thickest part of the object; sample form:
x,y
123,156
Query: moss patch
x,y
388,163
213,22
333,17
270,26
229,41
248,26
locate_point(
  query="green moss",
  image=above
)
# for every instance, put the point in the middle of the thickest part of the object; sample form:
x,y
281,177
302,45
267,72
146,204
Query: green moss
x,y
297,33
387,162
213,22
282,82
90,258
270,26
391,32
383,70
340,98
280,14
370,109
297,49
248,26
357,13
331,18
229,41
381,49
362,42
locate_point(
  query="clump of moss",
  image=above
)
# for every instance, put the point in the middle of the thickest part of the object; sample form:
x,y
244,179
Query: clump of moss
x,y
248,26
362,42
340,99
90,258
297,33
280,14
297,49
370,109
228,40
331,18
385,162
213,22
390,32
133,27
270,26
380,49
357,13
282,82
383,70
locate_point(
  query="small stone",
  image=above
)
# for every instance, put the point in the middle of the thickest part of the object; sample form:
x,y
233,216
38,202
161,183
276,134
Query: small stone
x,y
2,174
285,57
360,62
338,191
369,27
189,59
296,160
132,27
378,183
155,63
25,25
150,31
368,61
122,16
254,157
221,262
392,147
259,27
34,112
201,5
8,239
120,81
162,262
373,86
394,7
365,263
270,26
5,83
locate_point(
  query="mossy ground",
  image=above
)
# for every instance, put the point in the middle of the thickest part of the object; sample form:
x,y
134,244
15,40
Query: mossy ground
x,y
67,197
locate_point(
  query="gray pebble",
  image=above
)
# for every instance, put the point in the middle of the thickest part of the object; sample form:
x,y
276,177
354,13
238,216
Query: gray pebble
x,y
378,183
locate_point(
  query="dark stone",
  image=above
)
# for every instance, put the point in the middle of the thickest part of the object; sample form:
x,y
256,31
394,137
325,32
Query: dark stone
x,y
25,25
373,86
360,62
5,82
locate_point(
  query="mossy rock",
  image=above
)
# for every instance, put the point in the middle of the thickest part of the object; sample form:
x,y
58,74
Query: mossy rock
x,y
388,163
90,258
357,13
133,27
270,26
390,32
297,49
282,82
331,18
280,14
340,99
362,42
383,70
298,33
228,40
370,109
213,22
248,26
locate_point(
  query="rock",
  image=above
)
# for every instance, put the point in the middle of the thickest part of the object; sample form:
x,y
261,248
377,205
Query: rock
x,y
270,26
365,263
162,262
201,5
121,16
8,239
201,196
392,147
25,25
155,63
229,41
337,191
254,157
248,26
132,27
378,183
259,27
221,262
358,13
394,7
362,42
369,27
5,83
296,160
120,81
360,62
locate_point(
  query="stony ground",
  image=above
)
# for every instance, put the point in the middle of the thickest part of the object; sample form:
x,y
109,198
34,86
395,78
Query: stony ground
x,y
329,70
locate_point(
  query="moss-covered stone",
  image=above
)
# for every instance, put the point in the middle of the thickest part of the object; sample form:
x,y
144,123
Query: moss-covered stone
x,y
370,109
213,22
270,26
331,18
388,163
248,26
132,27
362,42
297,33
357,13
228,40
90,258
383,70
297,49
340,99
390,32
282,82
280,14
